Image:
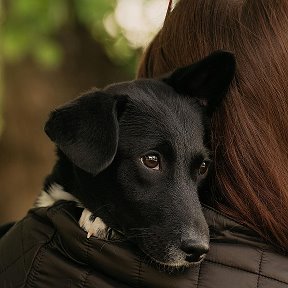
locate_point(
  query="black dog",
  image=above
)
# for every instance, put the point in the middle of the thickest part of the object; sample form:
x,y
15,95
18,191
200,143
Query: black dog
x,y
134,154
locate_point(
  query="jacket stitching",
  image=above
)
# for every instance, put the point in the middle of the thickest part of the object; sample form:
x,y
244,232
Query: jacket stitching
x,y
22,248
34,271
86,251
87,272
240,269
7,267
35,264
85,278
259,268
199,276
53,211
37,260
24,252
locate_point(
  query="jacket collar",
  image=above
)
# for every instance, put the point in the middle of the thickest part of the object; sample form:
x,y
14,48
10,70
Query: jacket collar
x,y
226,230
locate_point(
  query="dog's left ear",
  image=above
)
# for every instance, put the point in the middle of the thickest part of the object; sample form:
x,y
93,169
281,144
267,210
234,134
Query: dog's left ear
x,y
207,80
86,129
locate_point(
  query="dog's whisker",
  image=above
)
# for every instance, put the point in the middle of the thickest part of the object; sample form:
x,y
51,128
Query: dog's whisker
x,y
101,207
140,228
139,235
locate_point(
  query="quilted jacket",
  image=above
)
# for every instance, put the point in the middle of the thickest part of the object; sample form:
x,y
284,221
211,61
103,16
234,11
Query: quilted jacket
x,y
48,249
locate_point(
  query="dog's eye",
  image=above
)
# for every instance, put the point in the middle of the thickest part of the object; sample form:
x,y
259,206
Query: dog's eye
x,y
151,161
203,168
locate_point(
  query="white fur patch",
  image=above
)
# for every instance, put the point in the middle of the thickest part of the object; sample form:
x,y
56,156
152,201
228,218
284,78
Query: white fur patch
x,y
95,228
54,194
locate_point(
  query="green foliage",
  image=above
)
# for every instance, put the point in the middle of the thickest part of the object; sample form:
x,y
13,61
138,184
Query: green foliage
x,y
1,99
29,28
1,78
93,14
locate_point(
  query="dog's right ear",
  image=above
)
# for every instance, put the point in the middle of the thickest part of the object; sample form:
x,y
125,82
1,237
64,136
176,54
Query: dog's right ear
x,y
207,80
86,130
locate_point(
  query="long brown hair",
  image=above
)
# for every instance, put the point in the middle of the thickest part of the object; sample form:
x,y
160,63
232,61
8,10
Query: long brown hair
x,y
250,129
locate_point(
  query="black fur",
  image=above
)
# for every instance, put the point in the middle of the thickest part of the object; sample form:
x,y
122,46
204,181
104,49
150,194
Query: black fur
x,y
102,136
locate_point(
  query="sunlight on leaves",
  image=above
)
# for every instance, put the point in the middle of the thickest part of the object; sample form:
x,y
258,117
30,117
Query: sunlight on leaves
x,y
123,27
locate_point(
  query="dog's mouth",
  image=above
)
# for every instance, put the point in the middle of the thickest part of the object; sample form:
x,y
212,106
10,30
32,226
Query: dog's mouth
x,y
173,265
169,254
164,256
172,259
113,234
172,254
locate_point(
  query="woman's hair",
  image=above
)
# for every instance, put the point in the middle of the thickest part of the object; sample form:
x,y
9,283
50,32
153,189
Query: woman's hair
x,y
249,140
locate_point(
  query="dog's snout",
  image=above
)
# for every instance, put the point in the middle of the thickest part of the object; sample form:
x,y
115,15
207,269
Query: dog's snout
x,y
195,251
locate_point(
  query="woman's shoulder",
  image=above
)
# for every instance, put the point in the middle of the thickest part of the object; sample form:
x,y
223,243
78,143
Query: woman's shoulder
x,y
48,246
238,257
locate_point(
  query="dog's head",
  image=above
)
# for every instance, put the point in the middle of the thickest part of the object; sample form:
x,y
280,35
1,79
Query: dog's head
x,y
138,155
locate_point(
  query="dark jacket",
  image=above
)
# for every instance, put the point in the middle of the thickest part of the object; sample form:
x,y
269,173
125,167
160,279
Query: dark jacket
x,y
48,249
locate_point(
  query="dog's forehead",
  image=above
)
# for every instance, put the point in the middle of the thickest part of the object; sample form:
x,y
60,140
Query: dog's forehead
x,y
158,96
137,89
158,114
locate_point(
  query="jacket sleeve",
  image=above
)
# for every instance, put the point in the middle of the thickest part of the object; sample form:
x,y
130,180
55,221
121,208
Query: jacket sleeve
x,y
19,247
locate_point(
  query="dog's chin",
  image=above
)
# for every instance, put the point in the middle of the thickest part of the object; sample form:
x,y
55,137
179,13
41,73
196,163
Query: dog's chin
x,y
174,265
176,261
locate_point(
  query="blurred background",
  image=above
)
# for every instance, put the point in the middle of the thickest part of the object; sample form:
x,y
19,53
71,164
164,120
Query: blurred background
x,y
50,52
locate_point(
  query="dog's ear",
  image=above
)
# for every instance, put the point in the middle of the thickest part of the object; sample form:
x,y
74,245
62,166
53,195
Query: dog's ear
x,y
86,129
208,80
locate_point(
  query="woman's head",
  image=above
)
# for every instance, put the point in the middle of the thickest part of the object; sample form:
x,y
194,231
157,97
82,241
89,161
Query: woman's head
x,y
249,131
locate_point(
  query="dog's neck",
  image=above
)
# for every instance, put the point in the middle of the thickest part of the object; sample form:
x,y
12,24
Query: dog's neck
x,y
59,185
62,174
68,182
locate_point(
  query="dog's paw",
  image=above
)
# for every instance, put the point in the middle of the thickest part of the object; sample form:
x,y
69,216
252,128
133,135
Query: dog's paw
x,y
94,226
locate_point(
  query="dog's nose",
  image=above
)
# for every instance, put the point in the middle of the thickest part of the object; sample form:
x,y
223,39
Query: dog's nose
x,y
195,251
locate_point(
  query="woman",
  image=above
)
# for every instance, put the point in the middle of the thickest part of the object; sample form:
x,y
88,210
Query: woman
x,y
249,138
249,141
248,187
